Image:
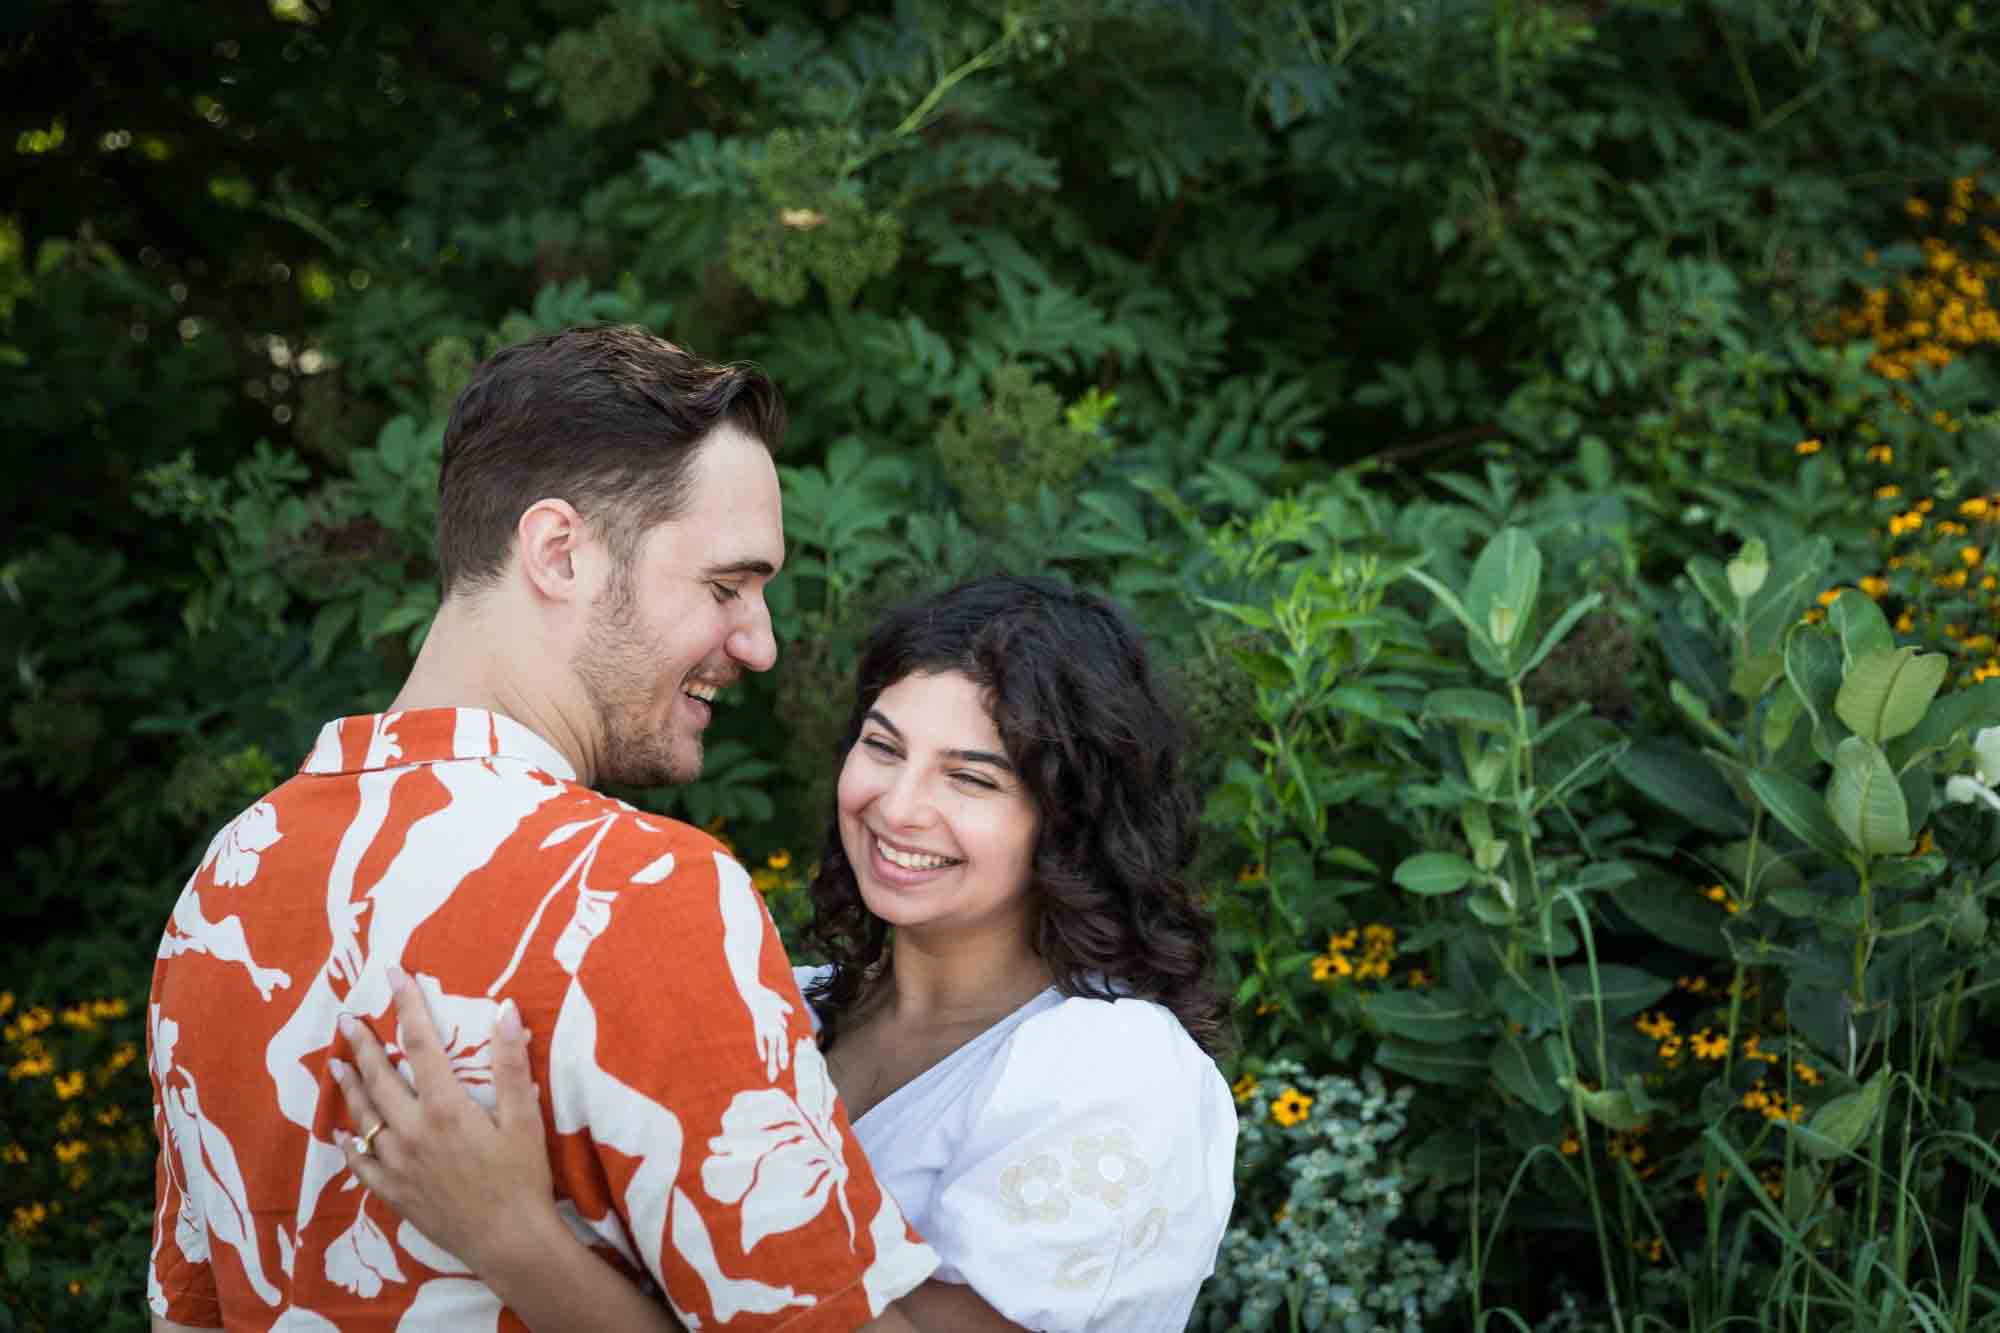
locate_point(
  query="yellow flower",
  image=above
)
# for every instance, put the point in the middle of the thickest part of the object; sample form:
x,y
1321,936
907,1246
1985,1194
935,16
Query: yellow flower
x,y
1809,1076
1905,622
1881,453
1976,507
1291,1107
1888,492
1756,1099
1245,1088
1875,586
778,860
1331,967
1655,1025
1829,597
1806,447
1418,979
1916,207
1970,556
69,1150
1709,1046
6,1003
1571,1144
13,1154
69,1085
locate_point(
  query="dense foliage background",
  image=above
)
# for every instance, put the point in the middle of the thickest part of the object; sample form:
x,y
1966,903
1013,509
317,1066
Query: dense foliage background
x,y
1556,442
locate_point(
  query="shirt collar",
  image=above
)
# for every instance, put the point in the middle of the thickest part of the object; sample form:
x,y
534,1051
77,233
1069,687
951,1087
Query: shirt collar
x,y
426,736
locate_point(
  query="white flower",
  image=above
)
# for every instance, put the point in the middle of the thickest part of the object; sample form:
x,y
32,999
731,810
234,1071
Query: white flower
x,y
1032,1190
1107,1167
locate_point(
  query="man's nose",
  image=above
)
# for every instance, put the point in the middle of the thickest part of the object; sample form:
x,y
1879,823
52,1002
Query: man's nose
x,y
755,644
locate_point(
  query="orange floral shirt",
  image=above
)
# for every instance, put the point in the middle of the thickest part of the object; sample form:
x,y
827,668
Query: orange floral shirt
x,y
695,1135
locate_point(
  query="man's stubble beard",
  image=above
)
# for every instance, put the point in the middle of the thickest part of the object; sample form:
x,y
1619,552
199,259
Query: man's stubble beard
x,y
618,666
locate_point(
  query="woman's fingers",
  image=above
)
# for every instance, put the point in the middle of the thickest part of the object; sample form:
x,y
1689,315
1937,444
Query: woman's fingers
x,y
513,1082
391,1097
430,1068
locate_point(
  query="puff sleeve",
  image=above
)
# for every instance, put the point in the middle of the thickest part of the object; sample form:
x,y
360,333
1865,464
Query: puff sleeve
x,y
1094,1175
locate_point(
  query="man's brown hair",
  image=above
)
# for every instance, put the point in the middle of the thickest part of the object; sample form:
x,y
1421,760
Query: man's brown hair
x,y
606,417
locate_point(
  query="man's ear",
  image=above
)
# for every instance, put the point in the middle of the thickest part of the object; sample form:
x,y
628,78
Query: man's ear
x,y
551,538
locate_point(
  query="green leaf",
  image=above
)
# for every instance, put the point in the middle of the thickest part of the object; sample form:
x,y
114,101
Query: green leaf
x,y
1481,710
1800,809
1506,579
1786,593
1837,1127
1685,782
1885,694
1434,873
1451,603
1675,914
1862,628
1624,990
1812,664
1525,1069
1866,801
1425,1018
1610,1107
1461,1064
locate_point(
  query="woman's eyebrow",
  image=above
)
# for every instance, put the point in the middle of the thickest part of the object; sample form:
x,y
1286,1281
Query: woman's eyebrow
x,y
999,761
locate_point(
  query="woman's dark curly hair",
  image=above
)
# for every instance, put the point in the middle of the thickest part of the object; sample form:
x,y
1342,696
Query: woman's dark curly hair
x,y
1097,745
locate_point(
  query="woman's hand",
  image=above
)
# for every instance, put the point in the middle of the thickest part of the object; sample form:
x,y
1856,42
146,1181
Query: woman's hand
x,y
475,1183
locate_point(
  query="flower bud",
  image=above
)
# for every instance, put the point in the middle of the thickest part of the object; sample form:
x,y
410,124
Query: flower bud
x,y
1749,569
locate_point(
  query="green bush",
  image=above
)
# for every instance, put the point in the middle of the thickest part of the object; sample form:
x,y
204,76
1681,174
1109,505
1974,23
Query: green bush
x,y
1554,445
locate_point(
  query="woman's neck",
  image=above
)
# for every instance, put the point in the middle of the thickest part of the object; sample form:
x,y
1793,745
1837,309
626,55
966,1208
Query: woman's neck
x,y
960,977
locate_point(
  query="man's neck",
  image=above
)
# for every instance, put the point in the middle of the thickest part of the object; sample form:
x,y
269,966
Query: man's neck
x,y
460,666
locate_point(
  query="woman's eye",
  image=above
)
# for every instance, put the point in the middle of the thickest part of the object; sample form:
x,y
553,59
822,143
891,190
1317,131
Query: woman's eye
x,y
979,780
879,746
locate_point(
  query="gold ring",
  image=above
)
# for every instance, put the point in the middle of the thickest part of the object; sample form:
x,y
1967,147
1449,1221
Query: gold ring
x,y
367,1144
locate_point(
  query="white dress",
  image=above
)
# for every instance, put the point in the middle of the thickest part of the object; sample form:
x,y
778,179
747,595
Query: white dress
x,y
1074,1163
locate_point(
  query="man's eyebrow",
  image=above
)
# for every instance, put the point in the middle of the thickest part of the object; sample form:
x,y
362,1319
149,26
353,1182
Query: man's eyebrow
x,y
999,761
762,568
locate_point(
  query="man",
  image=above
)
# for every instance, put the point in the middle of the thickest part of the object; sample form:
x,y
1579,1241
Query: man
x,y
608,519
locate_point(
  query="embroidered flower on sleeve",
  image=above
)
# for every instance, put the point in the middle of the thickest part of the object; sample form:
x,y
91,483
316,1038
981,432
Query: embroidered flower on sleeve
x,y
1107,1167
1151,1230
1081,1270
1032,1190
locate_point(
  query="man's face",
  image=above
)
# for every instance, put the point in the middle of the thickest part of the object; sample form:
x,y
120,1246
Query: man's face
x,y
687,618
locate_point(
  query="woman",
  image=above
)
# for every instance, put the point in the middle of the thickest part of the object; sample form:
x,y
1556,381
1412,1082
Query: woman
x,y
1017,1013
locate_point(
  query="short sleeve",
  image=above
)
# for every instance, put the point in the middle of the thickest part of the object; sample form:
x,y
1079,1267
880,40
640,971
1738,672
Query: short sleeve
x,y
1095,1176
683,1056
180,1281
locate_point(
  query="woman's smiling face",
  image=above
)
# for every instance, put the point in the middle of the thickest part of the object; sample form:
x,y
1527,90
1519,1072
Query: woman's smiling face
x,y
936,823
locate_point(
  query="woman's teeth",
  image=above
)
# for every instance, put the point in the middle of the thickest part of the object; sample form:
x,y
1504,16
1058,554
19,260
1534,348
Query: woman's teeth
x,y
913,860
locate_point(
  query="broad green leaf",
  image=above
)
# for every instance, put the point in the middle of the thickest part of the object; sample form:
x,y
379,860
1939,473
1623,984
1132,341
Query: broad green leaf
x,y
1624,990
1837,1127
1433,873
1801,810
1866,801
1812,664
1525,1069
1797,573
1685,782
1461,1064
1711,580
1673,913
1425,1018
1610,1107
1482,710
1885,694
1506,579
1862,628
1476,631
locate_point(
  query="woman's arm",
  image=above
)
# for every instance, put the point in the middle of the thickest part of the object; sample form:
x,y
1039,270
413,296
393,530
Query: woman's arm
x,y
476,1184
479,1186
